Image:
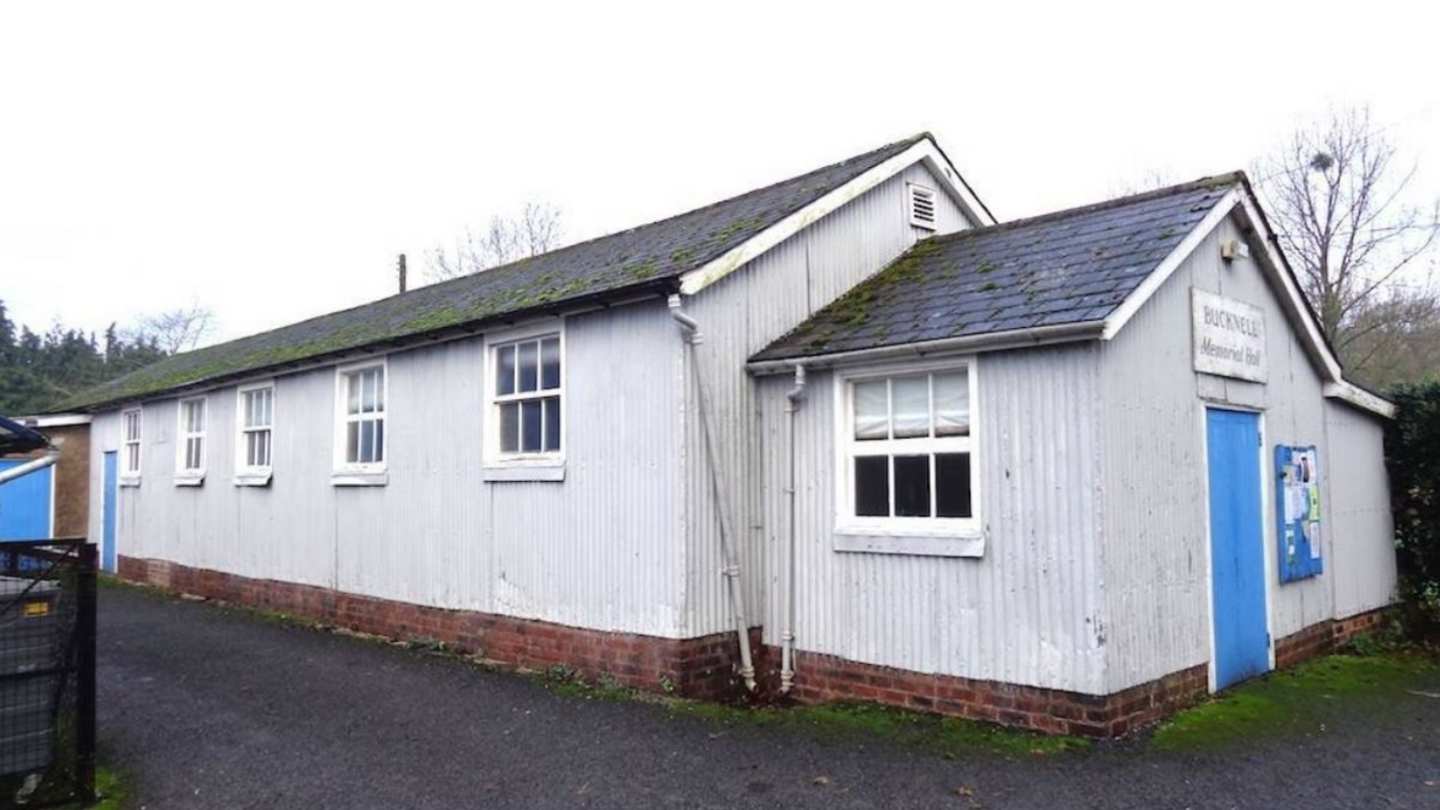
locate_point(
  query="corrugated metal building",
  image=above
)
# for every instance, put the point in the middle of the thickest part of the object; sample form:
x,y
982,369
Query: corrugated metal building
x,y
841,436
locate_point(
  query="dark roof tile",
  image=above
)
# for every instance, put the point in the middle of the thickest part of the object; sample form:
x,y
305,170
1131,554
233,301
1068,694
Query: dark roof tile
x,y
648,257
1068,267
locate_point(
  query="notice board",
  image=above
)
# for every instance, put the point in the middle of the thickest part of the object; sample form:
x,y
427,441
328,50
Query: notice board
x,y
1297,509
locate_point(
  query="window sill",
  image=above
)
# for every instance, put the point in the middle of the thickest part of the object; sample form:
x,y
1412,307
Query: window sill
x,y
359,479
525,471
252,479
190,480
133,481
912,542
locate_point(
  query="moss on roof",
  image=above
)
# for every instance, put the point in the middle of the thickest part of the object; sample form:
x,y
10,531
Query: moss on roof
x,y
1067,267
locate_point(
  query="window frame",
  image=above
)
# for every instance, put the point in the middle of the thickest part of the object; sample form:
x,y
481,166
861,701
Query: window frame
x,y
186,476
937,536
344,472
546,465
131,477
245,473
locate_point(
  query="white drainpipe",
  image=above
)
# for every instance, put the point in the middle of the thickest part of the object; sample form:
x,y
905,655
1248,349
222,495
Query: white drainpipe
x,y
792,399
30,466
787,638
732,566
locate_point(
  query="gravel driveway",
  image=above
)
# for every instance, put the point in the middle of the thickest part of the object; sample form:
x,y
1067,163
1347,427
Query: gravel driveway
x,y
210,708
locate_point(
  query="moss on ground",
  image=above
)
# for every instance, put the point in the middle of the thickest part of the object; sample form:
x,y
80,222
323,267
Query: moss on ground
x,y
850,722
1308,699
110,790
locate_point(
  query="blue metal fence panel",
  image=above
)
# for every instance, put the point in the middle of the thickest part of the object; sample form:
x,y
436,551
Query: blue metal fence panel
x,y
25,503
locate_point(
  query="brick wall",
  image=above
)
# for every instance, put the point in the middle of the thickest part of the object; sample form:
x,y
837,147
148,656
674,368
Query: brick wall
x,y
702,667
1327,636
824,678
72,480
707,667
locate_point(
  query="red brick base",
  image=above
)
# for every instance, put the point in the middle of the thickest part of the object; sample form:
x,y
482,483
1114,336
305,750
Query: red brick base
x,y
825,678
706,667
1327,636
702,667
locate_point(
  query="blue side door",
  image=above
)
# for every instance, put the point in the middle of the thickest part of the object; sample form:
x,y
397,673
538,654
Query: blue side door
x,y
107,515
1237,546
25,503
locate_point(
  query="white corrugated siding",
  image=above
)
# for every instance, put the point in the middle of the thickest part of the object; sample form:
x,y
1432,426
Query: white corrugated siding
x,y
1362,534
1154,515
603,549
742,314
1026,611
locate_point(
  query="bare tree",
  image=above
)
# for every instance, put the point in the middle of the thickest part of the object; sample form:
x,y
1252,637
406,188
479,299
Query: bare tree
x,y
1396,336
1335,194
1148,180
176,330
535,230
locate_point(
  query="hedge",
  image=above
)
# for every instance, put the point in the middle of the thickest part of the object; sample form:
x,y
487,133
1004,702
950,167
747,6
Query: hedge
x,y
1412,454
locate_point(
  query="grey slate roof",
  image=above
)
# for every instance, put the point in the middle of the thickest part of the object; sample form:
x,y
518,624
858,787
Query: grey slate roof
x,y
1067,267
648,258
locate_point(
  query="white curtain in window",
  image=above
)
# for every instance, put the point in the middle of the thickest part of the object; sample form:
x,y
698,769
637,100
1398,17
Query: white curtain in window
x,y
872,407
910,399
952,404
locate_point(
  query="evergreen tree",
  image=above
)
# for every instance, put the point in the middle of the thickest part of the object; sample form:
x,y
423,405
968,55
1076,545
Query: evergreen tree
x,y
37,371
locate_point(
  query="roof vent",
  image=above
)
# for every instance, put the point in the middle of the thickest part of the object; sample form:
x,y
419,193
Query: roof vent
x,y
922,206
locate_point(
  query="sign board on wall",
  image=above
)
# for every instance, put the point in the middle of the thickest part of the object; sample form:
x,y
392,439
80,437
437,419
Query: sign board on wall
x,y
1229,336
1297,510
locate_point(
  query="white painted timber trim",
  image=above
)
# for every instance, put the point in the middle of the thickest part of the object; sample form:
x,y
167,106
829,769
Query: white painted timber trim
x,y
1292,302
967,545
970,344
1295,305
1116,320
54,420
1360,398
359,479
253,479
926,150
524,472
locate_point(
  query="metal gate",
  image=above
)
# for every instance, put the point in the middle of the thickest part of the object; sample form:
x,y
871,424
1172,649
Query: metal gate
x,y
47,672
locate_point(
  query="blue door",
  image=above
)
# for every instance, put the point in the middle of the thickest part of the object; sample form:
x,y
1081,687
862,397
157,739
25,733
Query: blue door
x,y
1237,546
25,503
107,514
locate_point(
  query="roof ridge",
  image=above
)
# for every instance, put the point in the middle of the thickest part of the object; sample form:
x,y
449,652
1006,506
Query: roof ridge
x,y
1237,177
914,139
907,142
650,254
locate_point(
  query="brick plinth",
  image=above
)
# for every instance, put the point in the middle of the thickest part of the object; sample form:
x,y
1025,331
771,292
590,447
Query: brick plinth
x,y
825,678
1327,636
705,667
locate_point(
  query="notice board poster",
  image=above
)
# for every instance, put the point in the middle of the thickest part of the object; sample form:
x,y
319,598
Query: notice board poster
x,y
1297,507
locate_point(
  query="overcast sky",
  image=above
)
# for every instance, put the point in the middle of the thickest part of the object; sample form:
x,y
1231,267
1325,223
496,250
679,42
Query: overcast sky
x,y
272,160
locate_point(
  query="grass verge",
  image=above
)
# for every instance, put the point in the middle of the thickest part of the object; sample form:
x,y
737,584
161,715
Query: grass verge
x,y
1309,699
851,722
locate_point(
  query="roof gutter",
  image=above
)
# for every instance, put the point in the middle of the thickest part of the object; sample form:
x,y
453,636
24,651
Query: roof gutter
x,y
995,341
